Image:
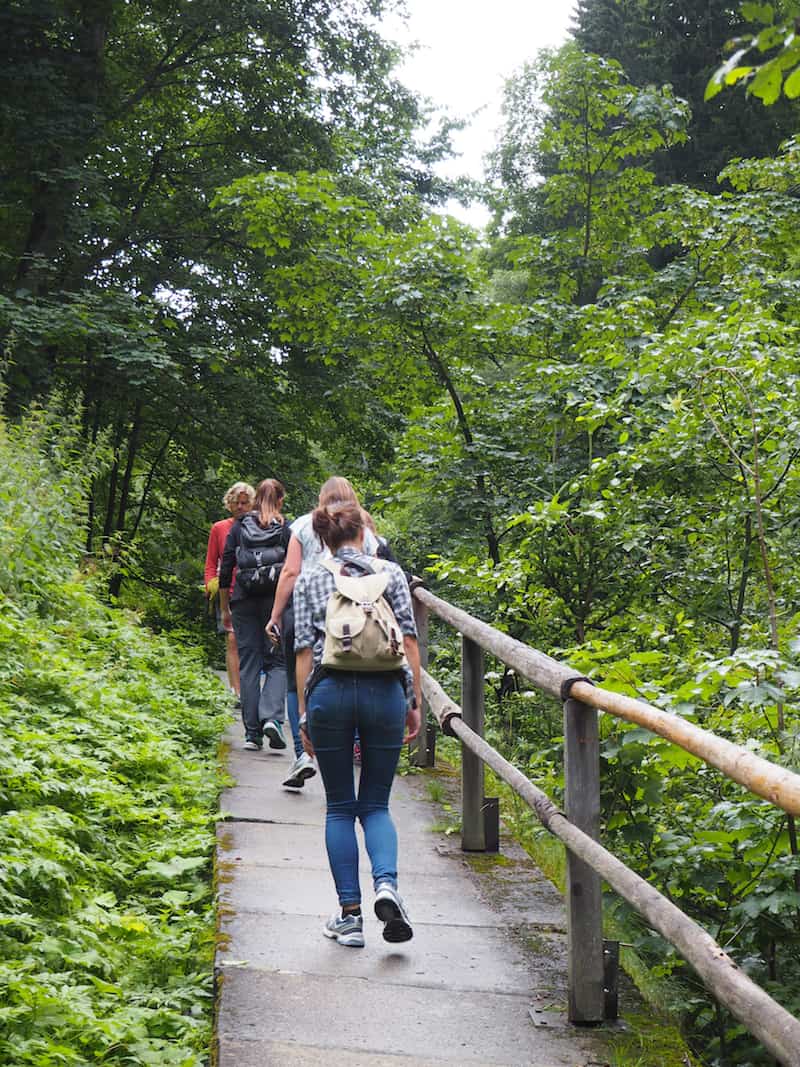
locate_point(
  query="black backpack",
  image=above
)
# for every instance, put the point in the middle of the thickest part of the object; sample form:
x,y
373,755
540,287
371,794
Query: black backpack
x,y
260,556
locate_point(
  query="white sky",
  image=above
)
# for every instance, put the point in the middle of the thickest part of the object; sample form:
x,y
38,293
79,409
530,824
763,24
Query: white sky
x,y
467,50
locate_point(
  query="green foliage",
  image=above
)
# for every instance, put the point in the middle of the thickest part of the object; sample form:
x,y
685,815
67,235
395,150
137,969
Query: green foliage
x,y
649,431
585,426
678,43
45,477
578,119
777,37
120,288
108,798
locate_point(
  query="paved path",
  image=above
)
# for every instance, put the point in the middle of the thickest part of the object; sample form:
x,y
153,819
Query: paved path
x,y
486,960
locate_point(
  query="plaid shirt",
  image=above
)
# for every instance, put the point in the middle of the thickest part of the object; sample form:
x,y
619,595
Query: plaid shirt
x,y
312,592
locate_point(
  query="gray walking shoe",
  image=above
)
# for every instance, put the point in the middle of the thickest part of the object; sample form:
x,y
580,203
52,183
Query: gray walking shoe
x,y
273,731
346,930
302,769
391,911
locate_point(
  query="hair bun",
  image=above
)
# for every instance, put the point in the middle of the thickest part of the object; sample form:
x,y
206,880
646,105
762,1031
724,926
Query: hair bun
x,y
337,523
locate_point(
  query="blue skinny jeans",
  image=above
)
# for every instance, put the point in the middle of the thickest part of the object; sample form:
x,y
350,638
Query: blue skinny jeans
x,y
293,712
375,705
287,642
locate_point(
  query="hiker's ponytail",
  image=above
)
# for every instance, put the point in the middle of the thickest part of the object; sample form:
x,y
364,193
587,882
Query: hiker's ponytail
x,y
269,500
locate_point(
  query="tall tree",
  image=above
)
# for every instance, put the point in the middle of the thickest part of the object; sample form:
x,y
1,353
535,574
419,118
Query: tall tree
x,y
578,120
118,284
680,42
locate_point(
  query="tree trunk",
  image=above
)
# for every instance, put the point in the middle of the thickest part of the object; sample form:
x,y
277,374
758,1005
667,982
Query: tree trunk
x,y
443,376
111,501
53,194
115,584
92,501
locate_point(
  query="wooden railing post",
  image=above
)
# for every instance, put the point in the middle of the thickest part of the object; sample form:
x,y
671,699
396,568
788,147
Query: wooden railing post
x,y
421,751
584,902
473,837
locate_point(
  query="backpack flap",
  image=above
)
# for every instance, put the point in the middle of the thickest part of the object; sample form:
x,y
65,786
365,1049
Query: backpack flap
x,y
362,590
345,626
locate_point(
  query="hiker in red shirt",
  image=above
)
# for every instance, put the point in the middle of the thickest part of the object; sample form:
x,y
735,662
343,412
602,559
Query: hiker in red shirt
x,y
238,500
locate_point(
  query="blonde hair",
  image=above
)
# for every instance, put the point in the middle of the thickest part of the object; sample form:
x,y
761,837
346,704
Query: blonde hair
x,y
235,491
337,490
269,501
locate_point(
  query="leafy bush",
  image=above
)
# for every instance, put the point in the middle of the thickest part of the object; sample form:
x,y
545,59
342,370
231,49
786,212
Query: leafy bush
x,y
109,781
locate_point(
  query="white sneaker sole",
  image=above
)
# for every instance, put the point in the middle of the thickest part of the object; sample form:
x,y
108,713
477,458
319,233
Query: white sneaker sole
x,y
351,940
396,927
299,779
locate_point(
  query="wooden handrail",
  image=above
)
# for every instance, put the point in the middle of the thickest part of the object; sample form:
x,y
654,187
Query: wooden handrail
x,y
775,1027
776,784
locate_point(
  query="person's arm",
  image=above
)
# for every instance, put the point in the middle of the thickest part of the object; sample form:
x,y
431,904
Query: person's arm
x,y
212,557
289,572
225,606
398,595
302,668
226,573
414,713
304,650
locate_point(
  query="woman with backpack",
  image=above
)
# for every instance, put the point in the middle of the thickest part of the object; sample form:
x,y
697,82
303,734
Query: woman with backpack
x,y
357,671
256,547
305,550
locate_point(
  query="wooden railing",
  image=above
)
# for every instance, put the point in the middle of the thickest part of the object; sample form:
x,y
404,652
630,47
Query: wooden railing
x,y
588,863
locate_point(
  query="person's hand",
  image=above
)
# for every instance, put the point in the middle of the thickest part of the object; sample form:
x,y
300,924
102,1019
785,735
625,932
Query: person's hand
x,y
273,631
212,588
308,748
227,619
413,723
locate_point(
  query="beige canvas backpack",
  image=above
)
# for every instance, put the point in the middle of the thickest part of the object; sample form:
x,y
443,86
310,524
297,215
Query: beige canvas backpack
x,y
361,632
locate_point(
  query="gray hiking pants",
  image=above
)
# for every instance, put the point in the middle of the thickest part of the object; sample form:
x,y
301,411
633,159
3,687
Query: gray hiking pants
x,y
260,703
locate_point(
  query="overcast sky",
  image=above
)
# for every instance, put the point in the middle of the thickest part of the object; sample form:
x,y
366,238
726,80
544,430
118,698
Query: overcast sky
x,y
467,50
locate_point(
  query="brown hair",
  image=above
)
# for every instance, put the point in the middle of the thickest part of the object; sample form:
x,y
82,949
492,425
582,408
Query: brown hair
x,y
337,490
269,501
336,524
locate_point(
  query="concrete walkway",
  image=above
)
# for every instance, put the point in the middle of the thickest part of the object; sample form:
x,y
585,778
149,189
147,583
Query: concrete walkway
x,y
482,982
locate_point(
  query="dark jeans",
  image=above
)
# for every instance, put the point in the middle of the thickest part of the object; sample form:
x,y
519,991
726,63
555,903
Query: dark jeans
x,y
256,654
375,705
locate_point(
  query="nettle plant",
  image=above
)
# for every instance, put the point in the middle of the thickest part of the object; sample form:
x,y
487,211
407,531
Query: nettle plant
x,y
108,793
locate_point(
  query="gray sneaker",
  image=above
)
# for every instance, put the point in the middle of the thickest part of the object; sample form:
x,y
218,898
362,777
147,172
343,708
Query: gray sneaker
x,y
273,731
302,769
252,746
346,929
391,911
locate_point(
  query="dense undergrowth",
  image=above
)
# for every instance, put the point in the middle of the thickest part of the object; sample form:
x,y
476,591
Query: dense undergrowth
x,y
722,855
109,780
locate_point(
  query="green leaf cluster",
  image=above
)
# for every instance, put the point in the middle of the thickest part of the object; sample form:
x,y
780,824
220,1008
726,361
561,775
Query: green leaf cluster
x,y
778,40
109,785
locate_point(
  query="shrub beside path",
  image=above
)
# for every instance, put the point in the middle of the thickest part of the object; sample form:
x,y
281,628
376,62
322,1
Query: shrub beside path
x,y
487,958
